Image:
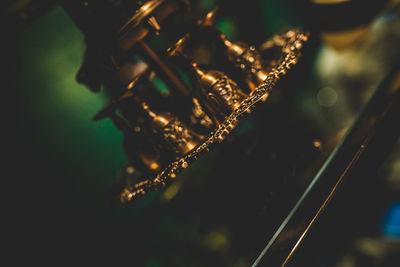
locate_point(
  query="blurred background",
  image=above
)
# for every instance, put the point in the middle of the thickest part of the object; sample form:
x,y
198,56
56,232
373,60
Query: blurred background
x,y
61,166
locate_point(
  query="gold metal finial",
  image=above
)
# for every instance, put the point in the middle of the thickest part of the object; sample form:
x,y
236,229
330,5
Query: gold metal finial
x,y
144,11
206,79
175,134
158,121
218,92
178,47
208,19
233,50
153,23
248,60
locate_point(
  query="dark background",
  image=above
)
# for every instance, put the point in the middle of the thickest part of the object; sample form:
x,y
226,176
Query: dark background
x,y
60,165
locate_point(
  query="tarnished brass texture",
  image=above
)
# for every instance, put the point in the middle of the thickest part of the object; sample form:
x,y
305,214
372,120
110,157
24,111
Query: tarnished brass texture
x,y
248,60
238,103
174,134
177,136
220,93
167,129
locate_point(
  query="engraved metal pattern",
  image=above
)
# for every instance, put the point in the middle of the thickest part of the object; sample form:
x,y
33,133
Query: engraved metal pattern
x,y
199,116
290,54
225,94
250,61
177,135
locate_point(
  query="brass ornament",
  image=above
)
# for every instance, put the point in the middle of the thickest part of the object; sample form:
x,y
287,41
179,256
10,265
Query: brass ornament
x,y
290,54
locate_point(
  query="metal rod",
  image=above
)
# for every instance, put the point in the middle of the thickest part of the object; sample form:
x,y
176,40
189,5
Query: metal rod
x,y
363,147
162,69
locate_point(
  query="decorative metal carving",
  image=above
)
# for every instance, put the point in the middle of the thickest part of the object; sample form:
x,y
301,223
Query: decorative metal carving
x,y
166,132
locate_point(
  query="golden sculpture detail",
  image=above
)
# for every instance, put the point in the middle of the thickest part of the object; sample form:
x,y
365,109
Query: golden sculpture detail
x,y
290,48
219,93
164,134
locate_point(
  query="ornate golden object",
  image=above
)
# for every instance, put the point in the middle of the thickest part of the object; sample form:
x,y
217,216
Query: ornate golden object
x,y
179,86
219,92
290,54
177,136
166,132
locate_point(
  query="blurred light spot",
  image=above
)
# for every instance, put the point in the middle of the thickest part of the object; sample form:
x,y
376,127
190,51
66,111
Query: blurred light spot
x,y
327,97
171,191
154,166
342,40
130,170
391,223
218,240
373,247
130,85
317,143
327,62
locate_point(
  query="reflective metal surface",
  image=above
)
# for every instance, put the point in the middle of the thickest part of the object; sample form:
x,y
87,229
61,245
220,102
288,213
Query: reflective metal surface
x,y
308,178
